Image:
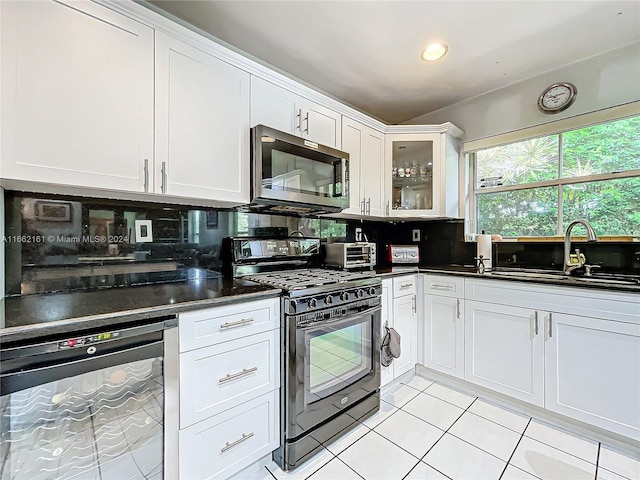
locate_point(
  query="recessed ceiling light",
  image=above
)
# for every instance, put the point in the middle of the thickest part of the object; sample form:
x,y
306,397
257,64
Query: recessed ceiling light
x,y
435,51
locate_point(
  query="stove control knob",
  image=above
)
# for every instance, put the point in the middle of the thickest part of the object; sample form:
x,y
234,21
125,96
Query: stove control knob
x,y
360,293
344,296
328,300
313,303
372,290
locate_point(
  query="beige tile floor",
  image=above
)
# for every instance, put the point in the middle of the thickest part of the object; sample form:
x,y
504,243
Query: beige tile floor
x,y
425,430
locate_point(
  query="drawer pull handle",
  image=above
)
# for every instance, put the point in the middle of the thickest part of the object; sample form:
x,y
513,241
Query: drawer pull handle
x,y
245,436
233,376
438,286
239,323
406,285
458,308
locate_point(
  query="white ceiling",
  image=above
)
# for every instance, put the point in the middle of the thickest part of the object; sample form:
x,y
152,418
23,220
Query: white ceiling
x,y
366,53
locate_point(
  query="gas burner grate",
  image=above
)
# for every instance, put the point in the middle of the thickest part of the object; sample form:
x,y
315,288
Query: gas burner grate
x,y
307,278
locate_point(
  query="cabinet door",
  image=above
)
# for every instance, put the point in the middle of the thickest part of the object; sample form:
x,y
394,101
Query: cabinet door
x,y
202,121
387,319
320,124
372,172
352,139
273,106
504,351
593,371
406,323
77,95
413,174
444,334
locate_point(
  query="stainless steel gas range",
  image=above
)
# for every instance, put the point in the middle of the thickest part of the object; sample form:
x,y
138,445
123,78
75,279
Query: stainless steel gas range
x,y
330,339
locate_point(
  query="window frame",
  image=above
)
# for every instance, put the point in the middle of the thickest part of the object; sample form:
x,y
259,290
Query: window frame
x,y
553,128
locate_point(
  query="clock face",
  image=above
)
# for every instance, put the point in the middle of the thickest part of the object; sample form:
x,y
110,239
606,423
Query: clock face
x,y
557,97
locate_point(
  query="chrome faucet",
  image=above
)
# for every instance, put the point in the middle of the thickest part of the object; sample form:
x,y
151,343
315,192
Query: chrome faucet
x,y
569,266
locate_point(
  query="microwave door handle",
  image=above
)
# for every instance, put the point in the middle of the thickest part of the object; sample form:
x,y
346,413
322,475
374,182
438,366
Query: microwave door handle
x,y
345,172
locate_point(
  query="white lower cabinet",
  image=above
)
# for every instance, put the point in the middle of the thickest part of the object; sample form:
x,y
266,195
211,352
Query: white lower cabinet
x,y
387,320
593,371
573,351
226,443
443,333
502,350
229,381
218,377
399,311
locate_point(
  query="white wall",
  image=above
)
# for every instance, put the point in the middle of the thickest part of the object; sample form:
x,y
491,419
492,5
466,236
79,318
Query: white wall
x,y
603,81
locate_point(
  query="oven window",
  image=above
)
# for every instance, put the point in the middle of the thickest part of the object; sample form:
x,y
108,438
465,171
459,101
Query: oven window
x,y
106,423
337,356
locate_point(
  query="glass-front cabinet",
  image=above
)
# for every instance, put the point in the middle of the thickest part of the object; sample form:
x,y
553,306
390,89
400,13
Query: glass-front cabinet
x,y
421,177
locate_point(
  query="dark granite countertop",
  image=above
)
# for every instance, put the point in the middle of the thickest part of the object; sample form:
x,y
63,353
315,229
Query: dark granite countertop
x,y
31,316
566,281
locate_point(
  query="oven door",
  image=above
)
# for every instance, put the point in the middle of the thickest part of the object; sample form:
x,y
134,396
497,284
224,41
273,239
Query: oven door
x,y
336,364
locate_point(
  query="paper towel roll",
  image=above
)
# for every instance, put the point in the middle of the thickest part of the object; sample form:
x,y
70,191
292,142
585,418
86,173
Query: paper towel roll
x,y
484,249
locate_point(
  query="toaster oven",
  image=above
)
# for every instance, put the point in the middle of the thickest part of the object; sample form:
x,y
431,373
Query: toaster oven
x,y
350,255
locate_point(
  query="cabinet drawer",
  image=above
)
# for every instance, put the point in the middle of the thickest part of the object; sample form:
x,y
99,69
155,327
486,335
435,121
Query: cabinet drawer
x,y
219,377
444,285
225,444
221,324
404,286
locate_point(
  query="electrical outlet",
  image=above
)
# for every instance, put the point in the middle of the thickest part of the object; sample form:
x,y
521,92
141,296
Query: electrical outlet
x,y
358,234
416,235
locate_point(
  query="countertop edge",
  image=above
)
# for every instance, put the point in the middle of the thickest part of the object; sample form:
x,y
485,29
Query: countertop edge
x,y
29,332
539,281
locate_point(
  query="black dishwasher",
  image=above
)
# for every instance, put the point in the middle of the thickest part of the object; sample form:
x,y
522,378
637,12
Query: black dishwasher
x,y
88,406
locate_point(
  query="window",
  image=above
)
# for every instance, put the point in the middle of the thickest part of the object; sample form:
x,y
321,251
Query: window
x,y
536,187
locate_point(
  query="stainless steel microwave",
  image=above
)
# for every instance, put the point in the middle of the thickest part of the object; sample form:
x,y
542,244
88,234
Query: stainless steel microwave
x,y
296,176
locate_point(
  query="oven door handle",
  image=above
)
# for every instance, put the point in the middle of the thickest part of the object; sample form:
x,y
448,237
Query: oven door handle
x,y
318,325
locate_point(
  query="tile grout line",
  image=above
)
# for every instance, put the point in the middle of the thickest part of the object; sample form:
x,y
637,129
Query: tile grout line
x,y
445,432
560,449
349,467
499,424
595,477
514,450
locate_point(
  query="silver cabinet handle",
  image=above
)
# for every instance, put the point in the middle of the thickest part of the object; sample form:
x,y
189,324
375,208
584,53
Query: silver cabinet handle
x,y
405,285
413,303
458,308
233,376
439,286
239,323
299,117
550,327
163,172
306,119
368,212
535,323
362,206
245,436
387,209
146,174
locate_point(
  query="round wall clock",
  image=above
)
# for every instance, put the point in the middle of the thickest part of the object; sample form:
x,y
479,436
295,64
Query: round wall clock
x,y
557,97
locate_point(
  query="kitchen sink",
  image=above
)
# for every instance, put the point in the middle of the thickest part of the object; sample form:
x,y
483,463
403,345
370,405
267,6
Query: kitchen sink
x,y
608,279
560,276
539,274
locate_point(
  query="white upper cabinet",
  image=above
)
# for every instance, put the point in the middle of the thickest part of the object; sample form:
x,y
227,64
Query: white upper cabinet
x,y
202,124
365,147
77,96
288,112
421,173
